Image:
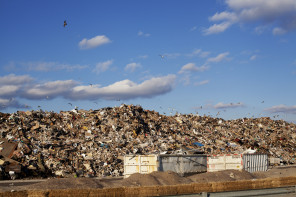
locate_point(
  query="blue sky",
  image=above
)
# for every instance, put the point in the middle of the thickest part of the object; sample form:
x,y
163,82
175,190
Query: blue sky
x,y
229,59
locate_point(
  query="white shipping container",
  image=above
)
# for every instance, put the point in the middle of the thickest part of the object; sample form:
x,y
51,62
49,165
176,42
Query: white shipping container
x,y
183,164
274,161
255,162
224,162
143,164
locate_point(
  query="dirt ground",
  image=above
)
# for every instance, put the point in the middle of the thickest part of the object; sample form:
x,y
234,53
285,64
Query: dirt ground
x,y
154,178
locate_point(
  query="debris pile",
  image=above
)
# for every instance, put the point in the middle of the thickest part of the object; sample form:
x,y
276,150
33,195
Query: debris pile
x,y
91,143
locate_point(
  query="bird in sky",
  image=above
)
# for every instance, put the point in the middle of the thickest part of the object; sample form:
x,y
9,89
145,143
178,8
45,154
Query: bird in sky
x,y
70,104
65,23
162,56
262,102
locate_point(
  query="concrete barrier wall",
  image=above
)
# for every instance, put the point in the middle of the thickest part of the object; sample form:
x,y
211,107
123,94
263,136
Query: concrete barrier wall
x,y
160,190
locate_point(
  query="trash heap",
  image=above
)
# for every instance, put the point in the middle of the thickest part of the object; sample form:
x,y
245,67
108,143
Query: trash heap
x,y
82,143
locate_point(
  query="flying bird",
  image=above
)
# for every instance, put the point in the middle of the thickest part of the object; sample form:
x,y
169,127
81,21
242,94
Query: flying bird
x,y
70,104
262,102
162,56
65,23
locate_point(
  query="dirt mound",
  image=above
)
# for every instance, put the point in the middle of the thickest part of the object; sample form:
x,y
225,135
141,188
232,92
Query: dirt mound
x,y
277,172
226,175
170,178
66,183
155,178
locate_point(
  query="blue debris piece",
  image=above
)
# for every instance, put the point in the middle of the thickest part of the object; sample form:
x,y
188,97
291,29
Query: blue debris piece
x,y
198,144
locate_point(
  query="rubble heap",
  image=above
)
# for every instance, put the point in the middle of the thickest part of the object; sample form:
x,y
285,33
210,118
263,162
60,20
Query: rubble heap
x,y
93,143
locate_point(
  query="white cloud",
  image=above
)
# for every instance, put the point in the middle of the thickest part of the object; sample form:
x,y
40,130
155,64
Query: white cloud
x,y
186,79
126,89
253,57
94,42
222,105
195,52
217,28
219,58
9,90
282,109
102,66
15,80
51,66
228,16
143,56
43,66
70,89
5,103
190,67
131,67
199,53
10,87
260,29
50,89
140,33
171,55
278,31
193,28
201,83
280,14
204,54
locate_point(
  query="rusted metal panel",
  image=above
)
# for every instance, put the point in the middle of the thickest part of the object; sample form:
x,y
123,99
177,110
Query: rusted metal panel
x,y
13,167
7,148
